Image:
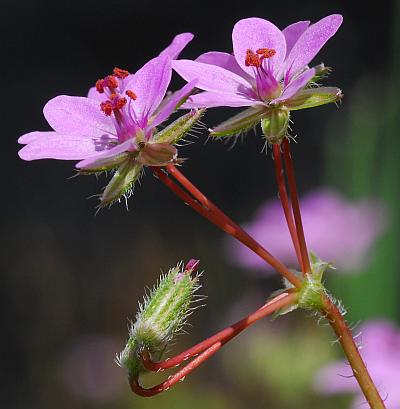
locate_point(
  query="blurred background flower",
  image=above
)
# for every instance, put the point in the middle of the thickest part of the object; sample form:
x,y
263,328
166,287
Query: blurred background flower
x,y
337,230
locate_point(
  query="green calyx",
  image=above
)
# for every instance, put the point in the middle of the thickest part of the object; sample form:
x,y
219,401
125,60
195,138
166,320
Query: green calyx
x,y
275,124
160,318
313,97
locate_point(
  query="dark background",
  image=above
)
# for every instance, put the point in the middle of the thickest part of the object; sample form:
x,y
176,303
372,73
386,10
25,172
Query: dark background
x,y
67,272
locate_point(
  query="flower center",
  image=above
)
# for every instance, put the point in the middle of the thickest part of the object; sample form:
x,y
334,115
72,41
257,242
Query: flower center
x,y
267,87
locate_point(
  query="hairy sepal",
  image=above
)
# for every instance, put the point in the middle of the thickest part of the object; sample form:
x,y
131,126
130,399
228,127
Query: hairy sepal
x,y
240,123
313,97
105,164
174,132
122,182
275,125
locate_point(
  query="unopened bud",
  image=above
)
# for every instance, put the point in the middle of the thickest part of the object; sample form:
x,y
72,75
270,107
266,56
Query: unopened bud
x,y
275,124
160,317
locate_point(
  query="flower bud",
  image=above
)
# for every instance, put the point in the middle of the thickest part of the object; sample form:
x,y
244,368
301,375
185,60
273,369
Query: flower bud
x,y
160,317
275,124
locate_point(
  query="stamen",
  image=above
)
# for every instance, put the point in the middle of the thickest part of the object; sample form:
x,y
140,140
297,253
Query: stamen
x,y
118,72
107,107
266,52
119,103
99,86
252,59
131,94
110,81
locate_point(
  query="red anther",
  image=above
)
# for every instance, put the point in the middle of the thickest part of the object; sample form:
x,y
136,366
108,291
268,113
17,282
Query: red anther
x,y
99,86
266,52
252,59
107,107
113,96
119,103
118,72
131,94
110,81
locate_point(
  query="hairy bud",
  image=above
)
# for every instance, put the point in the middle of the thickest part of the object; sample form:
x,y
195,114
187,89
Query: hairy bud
x,y
160,317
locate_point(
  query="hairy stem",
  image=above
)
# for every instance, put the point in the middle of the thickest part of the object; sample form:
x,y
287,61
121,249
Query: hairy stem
x,y
280,179
295,204
211,346
350,348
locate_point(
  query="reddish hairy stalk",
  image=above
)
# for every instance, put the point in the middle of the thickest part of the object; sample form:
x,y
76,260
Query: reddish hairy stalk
x,y
211,212
350,348
208,347
222,336
280,179
295,204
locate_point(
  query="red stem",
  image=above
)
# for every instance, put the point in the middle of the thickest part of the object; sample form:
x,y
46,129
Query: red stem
x,y
222,336
210,348
220,219
280,179
295,204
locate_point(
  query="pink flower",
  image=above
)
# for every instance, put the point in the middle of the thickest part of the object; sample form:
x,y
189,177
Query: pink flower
x,y
380,348
269,66
116,125
337,230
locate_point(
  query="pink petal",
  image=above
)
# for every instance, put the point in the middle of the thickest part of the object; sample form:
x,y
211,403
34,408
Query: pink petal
x,y
296,85
293,32
53,145
32,136
178,44
254,33
77,116
311,41
94,160
213,99
172,103
224,60
211,78
150,84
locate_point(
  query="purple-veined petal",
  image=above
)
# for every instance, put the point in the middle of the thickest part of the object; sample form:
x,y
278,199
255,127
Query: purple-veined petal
x,y
54,145
211,77
293,32
92,161
224,60
311,41
94,94
213,99
172,103
177,45
77,116
149,84
296,85
254,33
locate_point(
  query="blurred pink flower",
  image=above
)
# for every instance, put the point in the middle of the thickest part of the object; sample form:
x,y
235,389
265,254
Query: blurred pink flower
x,y
337,230
380,348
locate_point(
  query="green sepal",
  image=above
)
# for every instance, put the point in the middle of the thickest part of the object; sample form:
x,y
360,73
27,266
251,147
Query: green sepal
x,y
275,124
122,181
105,164
321,71
174,132
240,123
313,97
